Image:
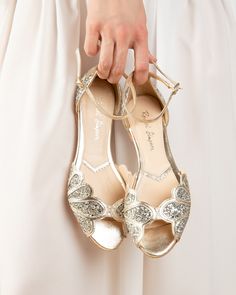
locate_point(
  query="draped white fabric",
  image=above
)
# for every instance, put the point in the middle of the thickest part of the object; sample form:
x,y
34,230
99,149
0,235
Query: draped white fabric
x,y
42,249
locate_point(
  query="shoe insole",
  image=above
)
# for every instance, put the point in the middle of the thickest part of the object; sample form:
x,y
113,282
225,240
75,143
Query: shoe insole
x,y
98,169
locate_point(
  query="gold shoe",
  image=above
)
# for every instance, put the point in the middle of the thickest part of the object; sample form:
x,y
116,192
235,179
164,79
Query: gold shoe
x,y
157,202
95,187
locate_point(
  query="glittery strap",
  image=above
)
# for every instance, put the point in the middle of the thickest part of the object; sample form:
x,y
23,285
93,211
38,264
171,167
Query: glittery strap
x,y
174,210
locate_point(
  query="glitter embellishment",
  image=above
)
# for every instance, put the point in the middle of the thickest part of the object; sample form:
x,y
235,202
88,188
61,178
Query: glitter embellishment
x,y
86,207
174,210
140,213
86,80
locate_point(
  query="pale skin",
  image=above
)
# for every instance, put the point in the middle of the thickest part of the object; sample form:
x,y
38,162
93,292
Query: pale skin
x,y
120,25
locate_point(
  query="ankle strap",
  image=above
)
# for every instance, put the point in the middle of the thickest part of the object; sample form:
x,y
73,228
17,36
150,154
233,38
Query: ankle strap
x,y
97,103
169,83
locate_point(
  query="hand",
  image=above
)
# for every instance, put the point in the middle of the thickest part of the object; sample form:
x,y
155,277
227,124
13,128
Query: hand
x,y
120,25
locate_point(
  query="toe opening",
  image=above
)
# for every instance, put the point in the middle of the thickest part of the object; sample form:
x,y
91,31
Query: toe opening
x,y
108,233
158,239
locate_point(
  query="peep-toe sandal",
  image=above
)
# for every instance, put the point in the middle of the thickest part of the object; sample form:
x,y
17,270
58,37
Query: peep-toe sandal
x,y
95,187
157,202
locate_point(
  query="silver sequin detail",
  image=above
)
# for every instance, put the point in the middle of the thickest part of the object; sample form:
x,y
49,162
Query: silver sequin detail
x,y
178,210
86,80
174,210
182,193
75,180
134,230
129,198
85,206
140,213
89,208
84,191
180,225
120,210
124,99
86,225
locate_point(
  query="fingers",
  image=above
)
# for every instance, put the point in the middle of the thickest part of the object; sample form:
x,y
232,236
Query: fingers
x,y
106,57
91,39
113,54
120,56
117,36
141,55
118,67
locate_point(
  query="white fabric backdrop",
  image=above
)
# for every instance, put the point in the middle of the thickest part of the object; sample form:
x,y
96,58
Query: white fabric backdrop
x,y
42,250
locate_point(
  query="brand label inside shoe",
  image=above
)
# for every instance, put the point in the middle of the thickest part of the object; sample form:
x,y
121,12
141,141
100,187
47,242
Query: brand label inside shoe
x,y
98,125
148,131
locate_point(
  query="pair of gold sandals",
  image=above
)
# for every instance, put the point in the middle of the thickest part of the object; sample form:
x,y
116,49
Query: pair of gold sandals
x,y
153,205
